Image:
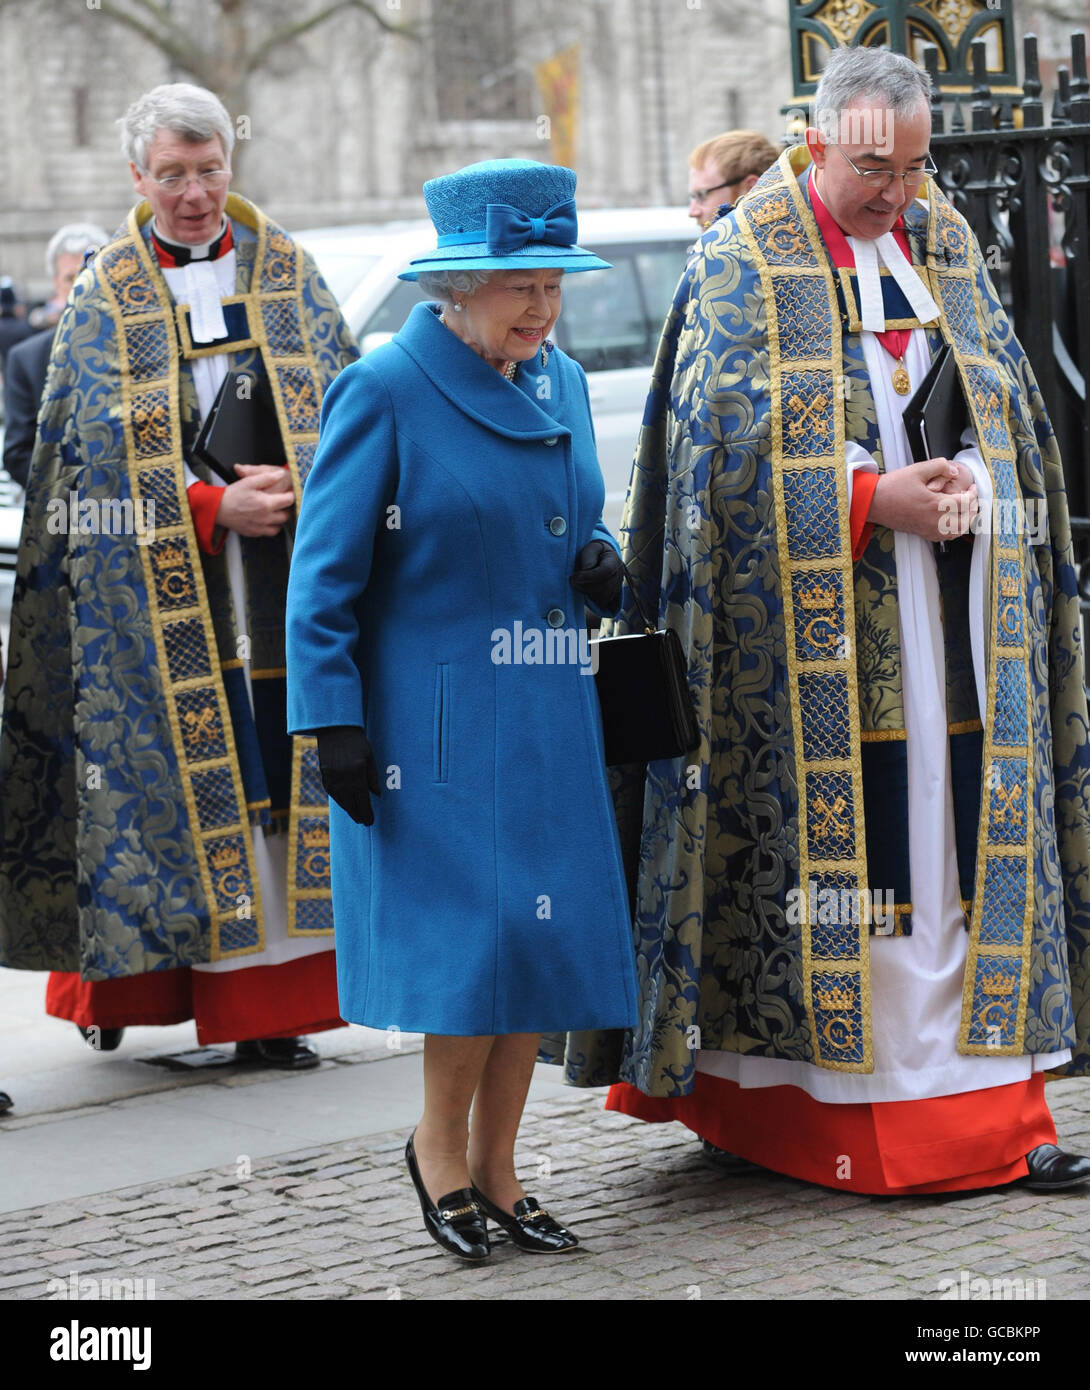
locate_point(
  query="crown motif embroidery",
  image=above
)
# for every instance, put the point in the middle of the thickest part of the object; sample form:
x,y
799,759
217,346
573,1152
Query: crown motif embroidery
x,y
997,985
226,857
172,555
318,838
774,210
820,596
835,998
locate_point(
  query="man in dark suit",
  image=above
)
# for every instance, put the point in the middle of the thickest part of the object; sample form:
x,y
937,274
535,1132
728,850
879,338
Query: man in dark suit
x,y
24,379
13,327
28,361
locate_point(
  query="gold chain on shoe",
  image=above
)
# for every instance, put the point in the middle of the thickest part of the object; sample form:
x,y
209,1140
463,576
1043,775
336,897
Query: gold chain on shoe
x,y
449,1215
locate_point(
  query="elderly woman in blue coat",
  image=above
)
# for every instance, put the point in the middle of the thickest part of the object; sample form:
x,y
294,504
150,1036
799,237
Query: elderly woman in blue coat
x,y
448,543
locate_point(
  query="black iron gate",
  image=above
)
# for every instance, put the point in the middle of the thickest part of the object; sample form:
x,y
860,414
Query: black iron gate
x,y
1024,187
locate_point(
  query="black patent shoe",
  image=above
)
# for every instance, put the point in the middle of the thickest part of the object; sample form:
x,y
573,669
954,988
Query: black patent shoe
x,y
286,1054
1051,1170
531,1227
455,1222
101,1039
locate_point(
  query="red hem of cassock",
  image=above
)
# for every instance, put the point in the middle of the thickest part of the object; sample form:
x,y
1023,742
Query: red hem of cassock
x,y
259,1001
898,1148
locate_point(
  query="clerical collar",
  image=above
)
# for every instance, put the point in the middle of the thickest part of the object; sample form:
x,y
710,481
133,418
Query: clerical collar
x,y
171,253
865,253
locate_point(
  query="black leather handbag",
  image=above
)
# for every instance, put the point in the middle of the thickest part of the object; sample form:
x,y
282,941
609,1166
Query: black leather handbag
x,y
647,714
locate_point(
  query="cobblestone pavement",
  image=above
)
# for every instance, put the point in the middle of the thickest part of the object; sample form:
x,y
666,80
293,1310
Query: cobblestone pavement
x,y
341,1221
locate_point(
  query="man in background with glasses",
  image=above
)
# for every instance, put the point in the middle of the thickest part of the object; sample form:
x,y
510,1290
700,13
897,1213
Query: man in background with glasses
x,y
165,849
722,169
862,906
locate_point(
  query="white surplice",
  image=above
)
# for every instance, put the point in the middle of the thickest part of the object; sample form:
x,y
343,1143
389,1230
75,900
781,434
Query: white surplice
x,y
202,285
916,980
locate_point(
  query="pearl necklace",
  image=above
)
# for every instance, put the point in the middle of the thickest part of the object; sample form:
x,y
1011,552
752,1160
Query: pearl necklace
x,y
509,369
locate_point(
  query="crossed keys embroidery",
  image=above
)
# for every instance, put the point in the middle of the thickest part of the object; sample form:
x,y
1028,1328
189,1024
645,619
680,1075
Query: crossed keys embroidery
x,y
299,397
1005,796
202,725
833,823
808,415
988,405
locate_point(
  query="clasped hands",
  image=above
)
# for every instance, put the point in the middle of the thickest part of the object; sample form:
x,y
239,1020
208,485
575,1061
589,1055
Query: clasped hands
x,y
936,499
260,502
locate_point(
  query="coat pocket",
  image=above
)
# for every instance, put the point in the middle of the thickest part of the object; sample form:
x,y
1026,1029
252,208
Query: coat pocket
x,y
441,740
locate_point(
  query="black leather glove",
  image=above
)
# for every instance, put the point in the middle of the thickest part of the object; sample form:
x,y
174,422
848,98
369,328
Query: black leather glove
x,y
598,575
347,764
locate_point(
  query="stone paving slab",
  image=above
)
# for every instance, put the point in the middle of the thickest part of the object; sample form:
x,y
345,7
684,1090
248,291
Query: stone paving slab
x,y
341,1221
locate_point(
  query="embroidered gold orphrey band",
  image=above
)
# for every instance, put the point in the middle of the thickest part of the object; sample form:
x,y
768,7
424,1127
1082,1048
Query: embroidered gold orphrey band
x,y
996,983
817,584
817,580
149,356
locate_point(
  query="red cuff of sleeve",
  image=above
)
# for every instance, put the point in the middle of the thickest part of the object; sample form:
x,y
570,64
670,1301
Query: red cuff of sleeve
x,y
863,485
204,504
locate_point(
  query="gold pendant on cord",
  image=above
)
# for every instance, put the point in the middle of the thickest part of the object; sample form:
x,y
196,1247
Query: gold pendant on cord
x,y
901,383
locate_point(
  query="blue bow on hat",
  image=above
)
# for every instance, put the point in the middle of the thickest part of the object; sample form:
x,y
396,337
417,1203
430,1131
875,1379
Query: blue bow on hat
x,y
506,228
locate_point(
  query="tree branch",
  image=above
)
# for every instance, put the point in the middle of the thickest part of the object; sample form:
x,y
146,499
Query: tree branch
x,y
302,26
184,53
163,16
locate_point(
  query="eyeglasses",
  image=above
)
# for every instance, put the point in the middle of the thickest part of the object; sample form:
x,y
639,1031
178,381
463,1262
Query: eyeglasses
x,y
882,178
697,195
208,180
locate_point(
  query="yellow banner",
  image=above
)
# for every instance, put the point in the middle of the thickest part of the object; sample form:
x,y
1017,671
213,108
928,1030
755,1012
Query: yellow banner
x,y
558,80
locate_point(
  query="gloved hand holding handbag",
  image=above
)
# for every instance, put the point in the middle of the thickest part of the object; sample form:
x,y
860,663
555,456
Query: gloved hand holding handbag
x,y
598,575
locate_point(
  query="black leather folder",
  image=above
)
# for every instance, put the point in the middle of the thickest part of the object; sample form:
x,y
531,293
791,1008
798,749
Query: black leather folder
x,y
241,427
937,415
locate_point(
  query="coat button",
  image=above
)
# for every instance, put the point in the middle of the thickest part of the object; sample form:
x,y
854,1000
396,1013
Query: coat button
x,y
558,526
548,441
555,617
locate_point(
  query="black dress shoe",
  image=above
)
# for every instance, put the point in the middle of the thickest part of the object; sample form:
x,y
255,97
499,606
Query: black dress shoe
x,y
287,1054
102,1039
531,1227
716,1157
455,1222
6,1102
1051,1170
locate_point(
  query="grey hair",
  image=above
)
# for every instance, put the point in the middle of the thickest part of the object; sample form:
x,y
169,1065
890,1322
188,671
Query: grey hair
x,y
194,113
890,79
73,239
443,285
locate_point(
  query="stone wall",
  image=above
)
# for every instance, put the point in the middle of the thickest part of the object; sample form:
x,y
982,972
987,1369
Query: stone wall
x,y
346,121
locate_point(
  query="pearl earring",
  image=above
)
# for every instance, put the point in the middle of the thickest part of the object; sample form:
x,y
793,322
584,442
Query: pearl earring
x,y
458,307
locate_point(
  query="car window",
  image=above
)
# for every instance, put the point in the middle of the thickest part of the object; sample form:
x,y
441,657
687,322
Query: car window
x,y
660,269
612,319
394,309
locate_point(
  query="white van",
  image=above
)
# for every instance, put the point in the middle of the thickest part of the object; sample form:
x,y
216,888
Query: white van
x,y
610,320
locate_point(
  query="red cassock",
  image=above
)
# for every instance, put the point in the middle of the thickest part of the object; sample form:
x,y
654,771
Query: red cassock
x,y
897,1148
260,1001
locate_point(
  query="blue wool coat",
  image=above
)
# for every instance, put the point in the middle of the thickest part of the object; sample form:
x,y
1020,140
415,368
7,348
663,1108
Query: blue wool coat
x,y
438,527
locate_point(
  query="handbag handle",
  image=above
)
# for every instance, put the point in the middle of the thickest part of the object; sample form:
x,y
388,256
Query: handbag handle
x,y
649,627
